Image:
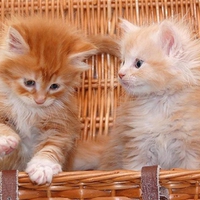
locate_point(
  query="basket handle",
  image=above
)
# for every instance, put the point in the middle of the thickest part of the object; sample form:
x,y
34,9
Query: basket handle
x,y
9,185
151,189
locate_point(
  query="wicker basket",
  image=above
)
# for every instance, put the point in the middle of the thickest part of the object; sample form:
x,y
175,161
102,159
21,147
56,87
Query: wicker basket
x,y
99,95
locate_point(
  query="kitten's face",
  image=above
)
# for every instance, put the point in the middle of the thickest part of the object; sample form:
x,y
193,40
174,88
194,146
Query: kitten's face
x,y
40,84
143,66
151,60
42,66
36,89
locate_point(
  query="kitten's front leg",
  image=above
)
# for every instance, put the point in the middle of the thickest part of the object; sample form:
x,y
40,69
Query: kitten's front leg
x,y
9,140
49,158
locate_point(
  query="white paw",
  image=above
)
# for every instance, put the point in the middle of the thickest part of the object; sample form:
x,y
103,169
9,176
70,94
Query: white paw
x,y
41,170
8,144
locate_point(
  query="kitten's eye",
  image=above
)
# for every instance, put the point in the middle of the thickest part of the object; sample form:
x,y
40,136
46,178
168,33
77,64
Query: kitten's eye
x,y
54,86
122,63
29,83
138,63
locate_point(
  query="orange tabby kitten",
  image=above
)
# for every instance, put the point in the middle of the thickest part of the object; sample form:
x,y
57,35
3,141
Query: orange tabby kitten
x,y
40,64
160,122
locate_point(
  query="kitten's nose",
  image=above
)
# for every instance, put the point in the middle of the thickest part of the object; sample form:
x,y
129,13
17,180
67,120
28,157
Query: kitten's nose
x,y
121,75
40,99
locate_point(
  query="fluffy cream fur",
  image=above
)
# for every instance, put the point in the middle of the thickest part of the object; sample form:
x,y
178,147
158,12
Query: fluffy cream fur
x,y
159,124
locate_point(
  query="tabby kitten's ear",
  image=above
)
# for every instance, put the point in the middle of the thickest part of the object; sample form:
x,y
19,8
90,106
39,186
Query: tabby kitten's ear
x,y
80,52
15,42
128,26
169,38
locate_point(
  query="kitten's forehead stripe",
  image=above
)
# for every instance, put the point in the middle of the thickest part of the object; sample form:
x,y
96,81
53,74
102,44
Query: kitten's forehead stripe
x,y
50,44
46,47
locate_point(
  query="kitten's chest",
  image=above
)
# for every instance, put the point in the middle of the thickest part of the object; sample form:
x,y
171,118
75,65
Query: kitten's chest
x,y
146,114
23,121
154,124
159,120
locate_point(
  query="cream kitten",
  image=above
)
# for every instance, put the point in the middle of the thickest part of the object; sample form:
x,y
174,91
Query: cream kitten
x,y
159,124
40,65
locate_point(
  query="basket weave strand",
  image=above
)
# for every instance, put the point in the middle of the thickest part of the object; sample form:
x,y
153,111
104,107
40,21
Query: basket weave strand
x,y
182,184
99,95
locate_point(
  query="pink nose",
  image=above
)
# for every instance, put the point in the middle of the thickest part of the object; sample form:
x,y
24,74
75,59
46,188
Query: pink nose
x,y
121,75
40,100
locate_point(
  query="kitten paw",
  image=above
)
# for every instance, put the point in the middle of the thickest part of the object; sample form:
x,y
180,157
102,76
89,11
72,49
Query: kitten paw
x,y
41,170
8,144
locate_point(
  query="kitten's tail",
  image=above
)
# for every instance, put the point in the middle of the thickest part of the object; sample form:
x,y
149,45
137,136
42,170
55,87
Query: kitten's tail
x,y
87,154
106,44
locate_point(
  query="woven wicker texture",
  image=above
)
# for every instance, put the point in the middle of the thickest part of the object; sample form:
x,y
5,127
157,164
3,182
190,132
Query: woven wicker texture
x,y
99,95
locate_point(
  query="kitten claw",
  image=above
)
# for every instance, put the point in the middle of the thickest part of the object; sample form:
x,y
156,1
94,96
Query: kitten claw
x,y
8,144
41,171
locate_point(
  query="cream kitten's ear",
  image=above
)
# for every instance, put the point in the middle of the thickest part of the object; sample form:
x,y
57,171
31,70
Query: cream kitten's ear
x,y
128,26
82,51
169,38
15,42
